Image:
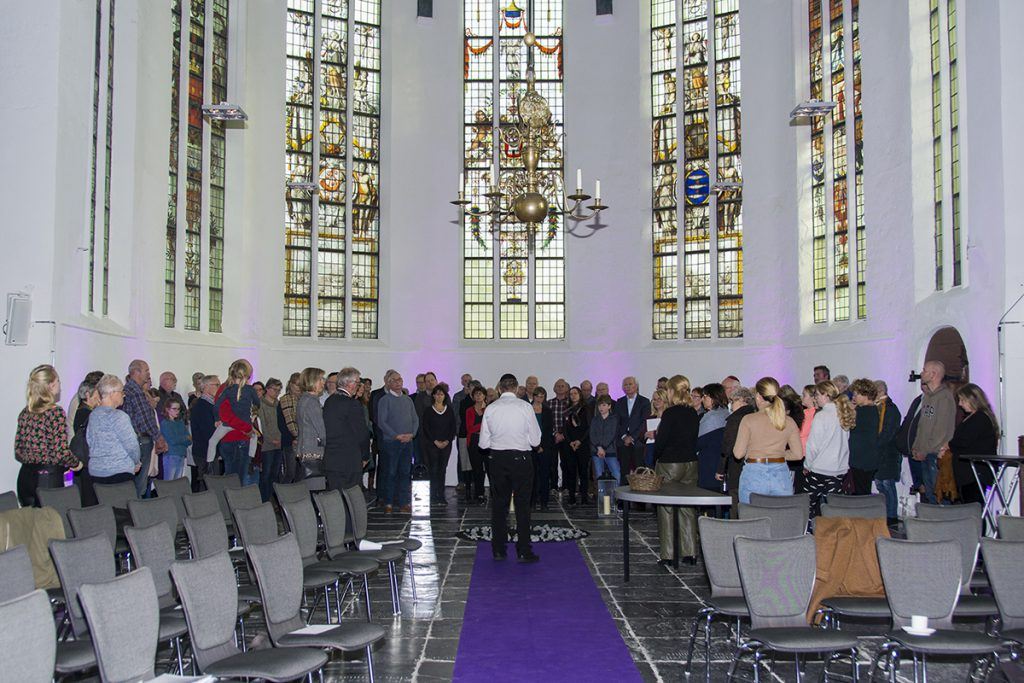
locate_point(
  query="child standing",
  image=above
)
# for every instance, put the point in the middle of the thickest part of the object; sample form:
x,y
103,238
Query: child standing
x,y
175,433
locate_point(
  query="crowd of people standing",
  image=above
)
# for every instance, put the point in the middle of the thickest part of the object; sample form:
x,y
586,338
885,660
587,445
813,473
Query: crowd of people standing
x,y
833,436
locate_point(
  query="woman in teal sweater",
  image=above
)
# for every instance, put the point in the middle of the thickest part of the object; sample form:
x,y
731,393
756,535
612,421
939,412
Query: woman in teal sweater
x,y
175,433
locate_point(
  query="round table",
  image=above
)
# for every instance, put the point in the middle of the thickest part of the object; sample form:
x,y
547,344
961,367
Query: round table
x,y
672,494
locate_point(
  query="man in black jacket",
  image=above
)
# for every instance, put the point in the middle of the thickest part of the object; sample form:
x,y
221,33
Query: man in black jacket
x,y
633,411
347,446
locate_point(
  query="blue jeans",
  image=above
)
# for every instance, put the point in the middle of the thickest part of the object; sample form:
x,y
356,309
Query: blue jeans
x,y
174,466
236,458
269,473
609,462
929,475
771,479
397,474
887,487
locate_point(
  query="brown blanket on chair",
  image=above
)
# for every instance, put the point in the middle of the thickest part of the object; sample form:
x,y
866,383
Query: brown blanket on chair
x,y
33,528
847,560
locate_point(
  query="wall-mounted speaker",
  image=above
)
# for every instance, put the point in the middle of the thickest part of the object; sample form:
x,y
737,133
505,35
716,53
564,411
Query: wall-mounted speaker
x,y
424,8
19,319
604,7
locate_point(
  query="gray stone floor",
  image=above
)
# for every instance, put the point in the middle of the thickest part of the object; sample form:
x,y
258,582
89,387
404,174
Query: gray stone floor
x,y
653,611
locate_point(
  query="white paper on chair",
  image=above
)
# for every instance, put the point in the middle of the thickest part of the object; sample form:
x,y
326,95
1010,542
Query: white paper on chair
x,y
652,426
313,629
396,541
171,678
369,545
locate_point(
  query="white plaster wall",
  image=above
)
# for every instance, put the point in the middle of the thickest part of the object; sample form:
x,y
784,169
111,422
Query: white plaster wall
x,y
608,133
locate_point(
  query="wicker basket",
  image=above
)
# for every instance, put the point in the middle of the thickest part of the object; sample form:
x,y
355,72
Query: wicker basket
x,y
644,480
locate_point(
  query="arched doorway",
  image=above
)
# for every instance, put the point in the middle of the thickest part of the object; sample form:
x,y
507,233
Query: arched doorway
x,y
947,345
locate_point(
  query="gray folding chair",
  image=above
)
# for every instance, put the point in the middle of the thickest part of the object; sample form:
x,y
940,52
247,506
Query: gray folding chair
x,y
116,495
217,483
175,489
16,570
716,544
778,577
258,526
279,572
150,511
124,620
843,501
966,532
99,519
901,563
334,516
1003,560
355,502
61,499
796,500
933,512
208,596
28,638
315,484
1011,528
80,561
290,493
9,501
153,547
787,522
208,536
243,498
201,504
301,519
866,512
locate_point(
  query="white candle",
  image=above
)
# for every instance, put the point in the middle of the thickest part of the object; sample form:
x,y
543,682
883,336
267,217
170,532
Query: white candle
x,y
462,181
579,178
597,190
607,501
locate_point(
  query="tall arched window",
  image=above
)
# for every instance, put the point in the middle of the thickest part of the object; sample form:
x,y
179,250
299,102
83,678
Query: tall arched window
x,y
696,43
833,181
945,123
332,125
196,163
511,289
102,132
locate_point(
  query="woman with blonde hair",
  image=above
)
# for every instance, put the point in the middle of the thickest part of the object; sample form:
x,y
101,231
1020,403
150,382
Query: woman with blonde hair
x,y
827,458
659,401
41,442
235,406
977,434
766,439
309,416
675,458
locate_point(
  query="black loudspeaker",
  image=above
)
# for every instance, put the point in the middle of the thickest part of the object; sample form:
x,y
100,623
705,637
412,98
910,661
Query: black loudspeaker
x,y
604,7
424,8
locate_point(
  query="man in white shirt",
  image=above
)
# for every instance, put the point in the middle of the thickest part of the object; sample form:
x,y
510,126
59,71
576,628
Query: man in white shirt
x,y
510,430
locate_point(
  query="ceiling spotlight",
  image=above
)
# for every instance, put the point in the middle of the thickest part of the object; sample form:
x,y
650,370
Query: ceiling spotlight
x,y
307,185
224,112
812,109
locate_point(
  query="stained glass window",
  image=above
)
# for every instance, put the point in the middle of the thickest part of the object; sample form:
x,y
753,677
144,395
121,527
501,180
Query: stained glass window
x,y
102,145
196,164
838,232
511,289
338,272
711,241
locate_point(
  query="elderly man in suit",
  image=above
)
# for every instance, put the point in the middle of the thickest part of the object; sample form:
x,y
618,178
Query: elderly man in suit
x,y
347,446
632,411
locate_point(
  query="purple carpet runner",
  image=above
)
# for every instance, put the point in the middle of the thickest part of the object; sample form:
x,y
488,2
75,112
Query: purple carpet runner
x,y
535,622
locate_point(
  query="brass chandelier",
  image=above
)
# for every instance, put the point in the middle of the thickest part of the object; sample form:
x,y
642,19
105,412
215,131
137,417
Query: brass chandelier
x,y
526,190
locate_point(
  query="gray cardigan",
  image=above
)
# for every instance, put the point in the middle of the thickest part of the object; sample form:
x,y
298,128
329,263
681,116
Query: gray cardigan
x,y
309,417
113,445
